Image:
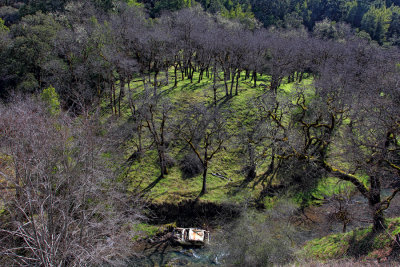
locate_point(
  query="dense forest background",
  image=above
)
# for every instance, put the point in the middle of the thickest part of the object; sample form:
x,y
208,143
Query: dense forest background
x,y
121,117
378,19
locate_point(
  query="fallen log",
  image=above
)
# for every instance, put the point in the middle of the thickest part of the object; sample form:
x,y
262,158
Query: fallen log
x,y
221,176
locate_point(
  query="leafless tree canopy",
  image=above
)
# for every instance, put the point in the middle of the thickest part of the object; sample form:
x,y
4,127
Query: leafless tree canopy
x,y
64,204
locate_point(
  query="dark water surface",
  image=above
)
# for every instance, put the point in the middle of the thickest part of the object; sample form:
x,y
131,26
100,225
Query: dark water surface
x,y
176,256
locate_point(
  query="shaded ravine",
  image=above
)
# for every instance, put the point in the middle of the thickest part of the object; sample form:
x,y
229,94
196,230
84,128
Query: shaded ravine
x,y
167,255
162,251
193,213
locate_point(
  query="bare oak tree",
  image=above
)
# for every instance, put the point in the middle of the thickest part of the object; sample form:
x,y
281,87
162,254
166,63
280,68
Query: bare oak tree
x,y
204,131
63,204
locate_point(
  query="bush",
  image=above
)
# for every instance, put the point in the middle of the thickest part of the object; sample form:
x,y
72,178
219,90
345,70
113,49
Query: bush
x,y
300,178
67,208
190,166
260,239
169,161
50,97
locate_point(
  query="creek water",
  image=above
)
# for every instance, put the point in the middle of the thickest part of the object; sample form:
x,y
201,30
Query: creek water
x,y
204,215
176,256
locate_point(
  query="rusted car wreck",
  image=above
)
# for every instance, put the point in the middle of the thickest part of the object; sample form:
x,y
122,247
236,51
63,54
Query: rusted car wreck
x,y
191,236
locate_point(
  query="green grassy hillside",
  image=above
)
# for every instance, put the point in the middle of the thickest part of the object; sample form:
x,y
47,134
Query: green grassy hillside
x,y
360,243
239,110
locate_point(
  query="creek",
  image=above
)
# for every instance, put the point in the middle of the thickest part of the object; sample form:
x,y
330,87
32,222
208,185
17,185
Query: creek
x,y
177,256
205,215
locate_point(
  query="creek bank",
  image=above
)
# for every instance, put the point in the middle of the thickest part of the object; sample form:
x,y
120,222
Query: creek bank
x,y
191,213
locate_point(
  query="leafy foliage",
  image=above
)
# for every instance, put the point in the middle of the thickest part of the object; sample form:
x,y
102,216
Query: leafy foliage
x,y
51,98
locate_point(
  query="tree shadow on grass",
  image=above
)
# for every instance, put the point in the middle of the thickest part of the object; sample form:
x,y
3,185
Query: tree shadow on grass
x,y
153,184
166,91
191,86
361,247
222,101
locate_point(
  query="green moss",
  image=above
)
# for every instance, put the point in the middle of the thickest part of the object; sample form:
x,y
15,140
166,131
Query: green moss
x,y
145,230
330,186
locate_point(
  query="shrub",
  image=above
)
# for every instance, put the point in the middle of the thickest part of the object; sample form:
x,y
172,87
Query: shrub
x,y
190,165
260,239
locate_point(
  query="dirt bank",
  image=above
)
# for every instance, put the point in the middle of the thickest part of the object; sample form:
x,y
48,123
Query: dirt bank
x,y
193,213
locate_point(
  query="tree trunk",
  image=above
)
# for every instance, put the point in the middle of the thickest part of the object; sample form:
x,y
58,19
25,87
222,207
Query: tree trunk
x,y
191,70
374,201
121,95
292,77
251,174
237,82
140,147
111,99
190,74
275,83
166,77
176,75
204,187
232,82
226,83
161,157
182,71
144,80
114,97
155,83
378,221
200,75
18,191
255,78
131,105
214,83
